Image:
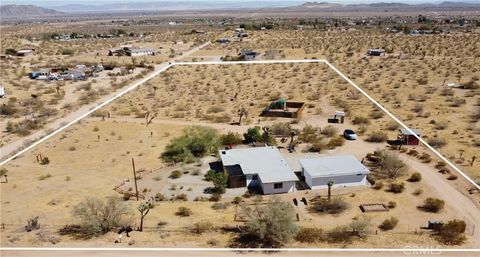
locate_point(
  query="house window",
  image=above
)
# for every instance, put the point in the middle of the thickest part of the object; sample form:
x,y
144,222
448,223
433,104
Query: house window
x,y
278,185
254,177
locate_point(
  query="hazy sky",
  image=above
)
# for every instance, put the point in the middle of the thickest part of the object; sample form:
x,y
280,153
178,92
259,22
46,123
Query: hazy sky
x,y
63,2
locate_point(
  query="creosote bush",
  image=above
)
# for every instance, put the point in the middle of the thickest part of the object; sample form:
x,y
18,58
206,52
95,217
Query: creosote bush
x,y
415,177
388,224
334,206
432,205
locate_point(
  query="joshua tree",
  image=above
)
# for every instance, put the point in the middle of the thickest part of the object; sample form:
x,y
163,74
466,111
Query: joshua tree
x,y
144,208
241,112
329,184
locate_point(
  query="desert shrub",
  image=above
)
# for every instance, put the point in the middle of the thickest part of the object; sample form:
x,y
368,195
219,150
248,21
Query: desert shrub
x,y
309,134
329,131
195,142
215,197
32,224
377,114
183,211
432,205
282,129
360,120
181,197
393,125
392,205
396,188
126,196
237,200
253,135
309,235
160,197
336,142
451,233
388,164
377,137
437,142
417,192
231,138
378,185
272,223
219,180
334,206
415,177
220,205
43,177
317,146
452,177
66,51
99,217
3,171
202,227
389,224
175,174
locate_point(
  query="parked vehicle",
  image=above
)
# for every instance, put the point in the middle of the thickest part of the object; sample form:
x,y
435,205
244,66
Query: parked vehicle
x,y
349,134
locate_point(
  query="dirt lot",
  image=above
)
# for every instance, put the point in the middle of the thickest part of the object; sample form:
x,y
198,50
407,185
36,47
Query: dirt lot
x,y
90,158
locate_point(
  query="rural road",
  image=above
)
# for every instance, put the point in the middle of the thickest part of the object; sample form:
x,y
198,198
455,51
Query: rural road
x,y
445,191
293,253
11,148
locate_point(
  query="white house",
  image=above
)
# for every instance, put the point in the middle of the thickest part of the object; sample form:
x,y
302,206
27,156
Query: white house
x,y
261,167
141,51
343,170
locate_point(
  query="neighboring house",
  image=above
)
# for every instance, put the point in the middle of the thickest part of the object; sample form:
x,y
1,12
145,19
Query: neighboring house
x,y
342,170
25,52
408,138
140,51
261,168
223,40
2,92
39,74
375,52
248,54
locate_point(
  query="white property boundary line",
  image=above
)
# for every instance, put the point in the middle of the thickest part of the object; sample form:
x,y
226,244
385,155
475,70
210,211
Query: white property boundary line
x,y
411,250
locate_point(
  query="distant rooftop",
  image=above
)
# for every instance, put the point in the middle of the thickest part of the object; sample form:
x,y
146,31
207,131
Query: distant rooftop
x,y
333,166
406,132
267,162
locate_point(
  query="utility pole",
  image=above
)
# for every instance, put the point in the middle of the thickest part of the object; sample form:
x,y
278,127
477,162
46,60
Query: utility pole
x,y
135,178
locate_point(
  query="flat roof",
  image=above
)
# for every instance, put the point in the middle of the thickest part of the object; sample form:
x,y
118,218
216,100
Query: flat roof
x,y
140,50
333,166
406,132
267,162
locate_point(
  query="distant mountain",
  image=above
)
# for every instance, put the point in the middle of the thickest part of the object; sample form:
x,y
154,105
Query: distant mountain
x,y
185,5
14,10
314,5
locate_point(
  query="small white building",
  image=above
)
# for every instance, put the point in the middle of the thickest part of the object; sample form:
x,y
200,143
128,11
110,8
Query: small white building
x,y
343,170
2,92
261,167
140,51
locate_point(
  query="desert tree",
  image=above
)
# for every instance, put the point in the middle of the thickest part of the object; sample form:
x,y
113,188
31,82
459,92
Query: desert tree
x,y
144,208
241,112
388,164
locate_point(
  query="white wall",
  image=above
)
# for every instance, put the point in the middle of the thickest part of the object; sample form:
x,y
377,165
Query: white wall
x,y
250,181
338,181
288,186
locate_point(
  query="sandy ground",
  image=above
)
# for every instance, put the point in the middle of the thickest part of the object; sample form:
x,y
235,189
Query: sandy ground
x,y
10,148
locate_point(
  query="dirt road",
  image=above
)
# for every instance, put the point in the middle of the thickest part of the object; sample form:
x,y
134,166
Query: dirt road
x,y
445,191
10,149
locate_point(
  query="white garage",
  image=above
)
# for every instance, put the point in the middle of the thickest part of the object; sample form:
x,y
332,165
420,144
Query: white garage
x,y
343,170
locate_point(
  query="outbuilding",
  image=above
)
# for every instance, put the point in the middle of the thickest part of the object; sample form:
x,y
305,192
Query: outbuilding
x,y
375,52
342,170
24,52
261,168
408,138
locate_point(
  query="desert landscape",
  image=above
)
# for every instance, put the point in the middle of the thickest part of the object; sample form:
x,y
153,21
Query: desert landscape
x,y
198,150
